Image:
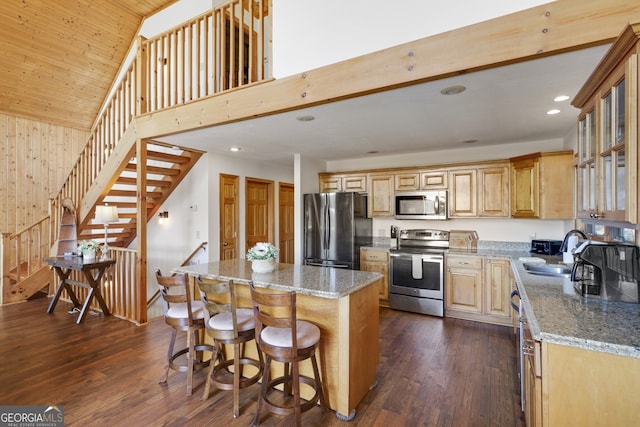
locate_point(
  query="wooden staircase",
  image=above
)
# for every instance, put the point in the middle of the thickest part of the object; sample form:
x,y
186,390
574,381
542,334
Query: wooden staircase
x,y
166,167
23,271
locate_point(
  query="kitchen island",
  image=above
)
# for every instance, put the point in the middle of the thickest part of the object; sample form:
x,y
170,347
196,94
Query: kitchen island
x,y
344,305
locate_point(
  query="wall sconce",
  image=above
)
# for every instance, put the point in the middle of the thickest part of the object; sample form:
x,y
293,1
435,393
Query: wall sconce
x,y
162,216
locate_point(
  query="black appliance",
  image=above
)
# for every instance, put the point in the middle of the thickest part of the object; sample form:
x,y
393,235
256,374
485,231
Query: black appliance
x,y
335,227
416,277
546,247
610,272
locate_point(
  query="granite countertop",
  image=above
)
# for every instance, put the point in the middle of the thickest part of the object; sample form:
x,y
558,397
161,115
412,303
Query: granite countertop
x,y
557,314
322,282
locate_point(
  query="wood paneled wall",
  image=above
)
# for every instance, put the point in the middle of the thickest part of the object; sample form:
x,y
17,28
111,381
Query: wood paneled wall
x,y
35,158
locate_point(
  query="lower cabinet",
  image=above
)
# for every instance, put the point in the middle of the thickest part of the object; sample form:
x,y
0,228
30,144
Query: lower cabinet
x,y
377,260
478,288
571,386
531,376
463,285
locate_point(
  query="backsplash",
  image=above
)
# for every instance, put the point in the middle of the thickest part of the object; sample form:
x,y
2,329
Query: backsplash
x,y
493,245
486,245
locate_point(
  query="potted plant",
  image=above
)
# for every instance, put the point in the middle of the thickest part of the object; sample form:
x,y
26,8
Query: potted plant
x,y
263,257
88,248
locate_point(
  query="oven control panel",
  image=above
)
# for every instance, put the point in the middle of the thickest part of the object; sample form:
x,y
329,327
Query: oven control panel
x,y
424,235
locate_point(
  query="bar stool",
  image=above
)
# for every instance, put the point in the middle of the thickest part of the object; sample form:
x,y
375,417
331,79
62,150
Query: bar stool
x,y
228,325
283,338
182,314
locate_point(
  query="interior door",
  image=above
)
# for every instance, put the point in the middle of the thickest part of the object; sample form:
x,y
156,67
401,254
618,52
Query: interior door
x,y
285,218
228,216
259,211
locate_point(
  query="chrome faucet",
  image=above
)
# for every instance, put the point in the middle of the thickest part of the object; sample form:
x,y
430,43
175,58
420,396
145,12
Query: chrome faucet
x,y
580,233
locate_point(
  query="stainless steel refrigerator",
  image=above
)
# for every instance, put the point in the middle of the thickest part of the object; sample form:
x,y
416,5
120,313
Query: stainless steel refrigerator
x,y
335,227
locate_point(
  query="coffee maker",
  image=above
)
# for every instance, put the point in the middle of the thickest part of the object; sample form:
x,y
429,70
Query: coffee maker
x,y
608,271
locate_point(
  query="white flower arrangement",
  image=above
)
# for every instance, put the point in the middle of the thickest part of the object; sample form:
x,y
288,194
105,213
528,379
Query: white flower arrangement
x,y
262,250
88,245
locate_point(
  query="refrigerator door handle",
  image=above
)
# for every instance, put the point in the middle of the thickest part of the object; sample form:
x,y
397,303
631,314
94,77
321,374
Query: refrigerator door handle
x,y
327,222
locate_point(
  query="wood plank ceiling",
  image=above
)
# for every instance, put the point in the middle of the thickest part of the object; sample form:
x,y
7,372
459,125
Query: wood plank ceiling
x,y
59,58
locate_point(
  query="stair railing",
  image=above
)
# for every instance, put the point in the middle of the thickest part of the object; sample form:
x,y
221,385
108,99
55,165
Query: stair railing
x,y
196,251
218,51
22,254
198,59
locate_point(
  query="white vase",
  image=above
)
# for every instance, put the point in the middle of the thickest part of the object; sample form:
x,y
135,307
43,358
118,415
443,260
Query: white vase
x,y
88,255
263,265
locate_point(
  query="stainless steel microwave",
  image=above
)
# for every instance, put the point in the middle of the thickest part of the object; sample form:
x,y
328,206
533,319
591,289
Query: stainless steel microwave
x,y
421,205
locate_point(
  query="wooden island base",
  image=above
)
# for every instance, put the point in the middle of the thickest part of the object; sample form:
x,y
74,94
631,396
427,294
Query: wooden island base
x,y
348,353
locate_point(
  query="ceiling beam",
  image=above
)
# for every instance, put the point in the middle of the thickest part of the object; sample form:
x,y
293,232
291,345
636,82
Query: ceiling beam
x,y
553,28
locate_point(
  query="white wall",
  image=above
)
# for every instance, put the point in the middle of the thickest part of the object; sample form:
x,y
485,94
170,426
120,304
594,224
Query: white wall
x,y
310,34
243,169
170,243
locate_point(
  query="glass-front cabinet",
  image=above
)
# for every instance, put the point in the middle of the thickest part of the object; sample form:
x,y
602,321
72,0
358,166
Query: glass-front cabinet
x,y
607,135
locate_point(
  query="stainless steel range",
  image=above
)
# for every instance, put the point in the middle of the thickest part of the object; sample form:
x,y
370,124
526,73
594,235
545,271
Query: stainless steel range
x,y
416,279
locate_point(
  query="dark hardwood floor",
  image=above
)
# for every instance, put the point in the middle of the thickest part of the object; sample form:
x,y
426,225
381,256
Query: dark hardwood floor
x,y
433,372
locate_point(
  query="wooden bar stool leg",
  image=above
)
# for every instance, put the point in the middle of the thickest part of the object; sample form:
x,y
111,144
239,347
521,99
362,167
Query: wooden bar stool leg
x,y
190,358
263,390
172,341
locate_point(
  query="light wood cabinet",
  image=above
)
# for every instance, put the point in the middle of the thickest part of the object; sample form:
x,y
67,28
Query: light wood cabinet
x,y
478,288
532,376
463,285
493,191
463,191
581,387
480,191
587,388
497,288
421,180
380,199
434,180
377,260
407,181
607,167
542,185
331,183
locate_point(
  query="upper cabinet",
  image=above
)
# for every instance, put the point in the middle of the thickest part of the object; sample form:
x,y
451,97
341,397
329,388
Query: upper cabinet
x,y
542,185
380,195
332,183
481,191
608,135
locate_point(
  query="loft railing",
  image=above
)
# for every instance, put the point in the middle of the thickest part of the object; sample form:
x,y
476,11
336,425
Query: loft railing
x,y
217,51
221,50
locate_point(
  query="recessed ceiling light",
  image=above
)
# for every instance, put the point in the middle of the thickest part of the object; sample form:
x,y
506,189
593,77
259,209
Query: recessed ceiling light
x,y
235,149
561,98
453,90
307,118
552,112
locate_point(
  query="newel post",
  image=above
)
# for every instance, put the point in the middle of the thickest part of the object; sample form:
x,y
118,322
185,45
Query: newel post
x,y
141,82
5,257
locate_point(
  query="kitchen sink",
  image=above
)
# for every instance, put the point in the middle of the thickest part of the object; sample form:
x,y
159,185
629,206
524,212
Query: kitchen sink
x,y
558,270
